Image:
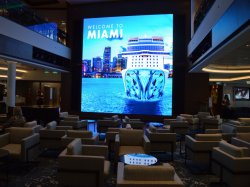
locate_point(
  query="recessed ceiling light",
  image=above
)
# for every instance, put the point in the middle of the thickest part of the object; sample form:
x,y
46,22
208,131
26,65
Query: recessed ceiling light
x,y
225,71
247,45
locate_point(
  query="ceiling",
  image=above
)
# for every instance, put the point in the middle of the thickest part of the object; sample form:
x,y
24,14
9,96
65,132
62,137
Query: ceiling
x,y
231,60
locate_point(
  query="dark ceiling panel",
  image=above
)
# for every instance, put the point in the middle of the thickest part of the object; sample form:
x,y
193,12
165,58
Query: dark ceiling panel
x,y
40,2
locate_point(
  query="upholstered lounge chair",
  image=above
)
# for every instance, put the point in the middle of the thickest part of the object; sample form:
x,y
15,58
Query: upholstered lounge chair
x,y
74,122
87,137
231,164
51,135
153,176
131,141
83,165
104,124
21,143
161,140
199,149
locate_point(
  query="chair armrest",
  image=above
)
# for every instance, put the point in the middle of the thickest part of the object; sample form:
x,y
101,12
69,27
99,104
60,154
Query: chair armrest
x,y
64,127
146,144
120,173
163,130
240,143
30,141
95,137
116,147
4,139
213,131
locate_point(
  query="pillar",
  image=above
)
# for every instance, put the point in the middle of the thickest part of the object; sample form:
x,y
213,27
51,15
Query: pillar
x,y
11,86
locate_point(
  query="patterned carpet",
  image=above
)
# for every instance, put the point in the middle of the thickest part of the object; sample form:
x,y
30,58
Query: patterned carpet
x,y
43,173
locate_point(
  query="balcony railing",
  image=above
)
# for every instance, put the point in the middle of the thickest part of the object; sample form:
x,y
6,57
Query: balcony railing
x,y
20,13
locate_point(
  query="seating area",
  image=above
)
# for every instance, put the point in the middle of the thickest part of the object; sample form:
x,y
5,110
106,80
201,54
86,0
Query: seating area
x,y
80,154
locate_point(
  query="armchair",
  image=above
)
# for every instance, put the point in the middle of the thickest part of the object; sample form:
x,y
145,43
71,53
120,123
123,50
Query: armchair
x,y
63,115
231,164
199,149
33,124
153,176
74,122
87,137
21,143
134,123
83,165
51,135
192,120
226,130
104,124
131,141
181,128
161,140
210,123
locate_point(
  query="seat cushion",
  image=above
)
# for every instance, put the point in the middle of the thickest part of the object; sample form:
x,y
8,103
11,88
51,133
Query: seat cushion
x,y
13,149
123,150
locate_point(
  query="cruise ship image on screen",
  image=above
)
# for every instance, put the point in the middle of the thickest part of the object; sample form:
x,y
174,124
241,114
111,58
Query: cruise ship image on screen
x,y
146,73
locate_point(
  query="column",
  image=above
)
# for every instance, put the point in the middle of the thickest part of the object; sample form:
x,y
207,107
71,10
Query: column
x,y
11,86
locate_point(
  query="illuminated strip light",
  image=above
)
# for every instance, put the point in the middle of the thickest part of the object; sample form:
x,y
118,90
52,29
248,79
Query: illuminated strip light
x,y
228,79
5,76
18,70
225,71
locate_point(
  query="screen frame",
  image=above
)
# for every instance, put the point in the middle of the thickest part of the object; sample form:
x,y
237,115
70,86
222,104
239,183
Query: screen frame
x,y
235,89
181,35
173,66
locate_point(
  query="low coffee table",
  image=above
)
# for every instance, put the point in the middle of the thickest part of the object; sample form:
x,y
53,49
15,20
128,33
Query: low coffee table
x,y
156,124
138,159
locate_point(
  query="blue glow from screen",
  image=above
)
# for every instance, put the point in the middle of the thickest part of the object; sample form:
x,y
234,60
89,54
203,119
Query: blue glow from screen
x,y
127,65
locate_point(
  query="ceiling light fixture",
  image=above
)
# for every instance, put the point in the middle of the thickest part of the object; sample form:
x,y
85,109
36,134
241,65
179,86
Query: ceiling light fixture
x,y
5,76
18,70
209,70
228,79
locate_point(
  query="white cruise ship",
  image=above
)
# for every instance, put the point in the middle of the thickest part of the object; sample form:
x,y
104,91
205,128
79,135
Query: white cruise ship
x,y
145,77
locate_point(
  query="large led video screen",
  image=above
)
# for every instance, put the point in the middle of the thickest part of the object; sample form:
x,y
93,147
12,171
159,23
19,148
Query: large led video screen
x,y
127,65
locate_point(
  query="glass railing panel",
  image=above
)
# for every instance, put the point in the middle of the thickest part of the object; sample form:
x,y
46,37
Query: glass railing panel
x,y
17,11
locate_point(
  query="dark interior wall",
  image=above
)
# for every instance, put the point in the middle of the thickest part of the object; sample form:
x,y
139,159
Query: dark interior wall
x,y
181,11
